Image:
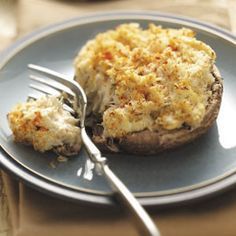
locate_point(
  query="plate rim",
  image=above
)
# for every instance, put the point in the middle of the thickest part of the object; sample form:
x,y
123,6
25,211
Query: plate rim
x,y
20,44
58,191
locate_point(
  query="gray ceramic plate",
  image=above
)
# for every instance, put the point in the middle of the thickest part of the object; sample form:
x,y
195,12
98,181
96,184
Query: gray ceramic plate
x,y
201,168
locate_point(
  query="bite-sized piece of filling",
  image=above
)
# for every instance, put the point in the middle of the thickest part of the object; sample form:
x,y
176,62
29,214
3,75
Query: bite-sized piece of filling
x,y
45,125
150,79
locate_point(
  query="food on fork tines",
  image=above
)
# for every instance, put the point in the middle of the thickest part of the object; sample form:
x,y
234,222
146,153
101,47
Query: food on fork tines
x,y
148,89
45,125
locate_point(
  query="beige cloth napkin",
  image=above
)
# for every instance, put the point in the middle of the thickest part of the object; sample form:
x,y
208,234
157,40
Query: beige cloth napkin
x,y
36,214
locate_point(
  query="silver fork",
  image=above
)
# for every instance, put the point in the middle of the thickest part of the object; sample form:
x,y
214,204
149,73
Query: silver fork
x,y
144,223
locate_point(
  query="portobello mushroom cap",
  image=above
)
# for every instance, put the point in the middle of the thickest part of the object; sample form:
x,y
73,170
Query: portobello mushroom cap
x,y
148,142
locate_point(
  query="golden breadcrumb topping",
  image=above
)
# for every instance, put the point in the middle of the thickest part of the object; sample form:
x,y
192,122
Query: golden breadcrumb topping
x,y
44,124
146,79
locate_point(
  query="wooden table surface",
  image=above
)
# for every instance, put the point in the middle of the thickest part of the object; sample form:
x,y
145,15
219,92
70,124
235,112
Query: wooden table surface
x,y
19,17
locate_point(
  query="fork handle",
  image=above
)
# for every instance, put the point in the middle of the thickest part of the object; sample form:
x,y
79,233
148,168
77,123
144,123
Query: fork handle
x,y
144,222
145,225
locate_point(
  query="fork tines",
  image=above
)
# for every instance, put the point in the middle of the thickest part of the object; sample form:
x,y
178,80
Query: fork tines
x,y
46,86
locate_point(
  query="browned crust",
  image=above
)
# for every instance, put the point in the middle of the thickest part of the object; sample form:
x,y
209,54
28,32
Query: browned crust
x,y
147,142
